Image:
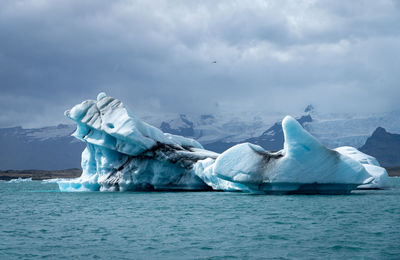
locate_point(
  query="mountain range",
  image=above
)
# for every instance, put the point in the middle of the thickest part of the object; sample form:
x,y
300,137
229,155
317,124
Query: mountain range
x,y
53,148
47,148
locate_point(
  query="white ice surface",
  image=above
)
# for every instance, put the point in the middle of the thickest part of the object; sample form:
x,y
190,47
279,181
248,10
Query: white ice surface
x,y
108,123
20,180
381,177
124,153
304,160
205,170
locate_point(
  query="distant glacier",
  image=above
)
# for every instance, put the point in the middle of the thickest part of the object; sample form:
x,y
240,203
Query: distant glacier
x,y
52,148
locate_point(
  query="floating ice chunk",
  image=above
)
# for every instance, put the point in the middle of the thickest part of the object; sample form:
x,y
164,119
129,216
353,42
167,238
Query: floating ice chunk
x,y
371,165
55,180
302,161
123,153
20,180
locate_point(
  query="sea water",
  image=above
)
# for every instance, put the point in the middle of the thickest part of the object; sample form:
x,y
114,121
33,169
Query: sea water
x,y
37,221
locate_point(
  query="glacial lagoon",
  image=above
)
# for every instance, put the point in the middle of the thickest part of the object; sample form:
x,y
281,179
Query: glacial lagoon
x,y
40,222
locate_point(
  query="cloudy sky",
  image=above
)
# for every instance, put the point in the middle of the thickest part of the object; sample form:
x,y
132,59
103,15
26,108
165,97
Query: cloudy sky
x,y
157,56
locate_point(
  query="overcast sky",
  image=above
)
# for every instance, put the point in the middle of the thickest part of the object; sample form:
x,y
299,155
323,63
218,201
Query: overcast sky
x,y
157,56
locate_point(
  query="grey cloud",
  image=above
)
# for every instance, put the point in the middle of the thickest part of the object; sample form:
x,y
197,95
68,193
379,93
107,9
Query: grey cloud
x,y
156,56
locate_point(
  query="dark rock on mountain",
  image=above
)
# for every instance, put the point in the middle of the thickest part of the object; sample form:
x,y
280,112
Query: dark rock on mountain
x,y
186,129
393,171
50,148
271,140
309,109
384,146
47,148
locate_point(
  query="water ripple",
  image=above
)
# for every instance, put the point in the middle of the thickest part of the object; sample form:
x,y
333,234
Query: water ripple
x,y
37,222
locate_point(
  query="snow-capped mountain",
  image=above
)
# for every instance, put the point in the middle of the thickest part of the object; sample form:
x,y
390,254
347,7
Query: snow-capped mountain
x,y
47,148
335,130
210,128
52,147
272,139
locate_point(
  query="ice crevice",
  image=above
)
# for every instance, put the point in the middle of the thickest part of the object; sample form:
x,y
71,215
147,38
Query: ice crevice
x,y
124,153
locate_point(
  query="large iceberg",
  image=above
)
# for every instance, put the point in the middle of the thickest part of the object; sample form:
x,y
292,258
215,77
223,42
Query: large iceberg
x,y
125,154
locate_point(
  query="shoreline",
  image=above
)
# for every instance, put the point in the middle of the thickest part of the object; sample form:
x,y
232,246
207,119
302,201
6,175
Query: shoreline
x,y
40,174
7,175
393,171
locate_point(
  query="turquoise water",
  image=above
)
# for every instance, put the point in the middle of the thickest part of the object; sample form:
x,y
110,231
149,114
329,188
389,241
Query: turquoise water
x,y
37,221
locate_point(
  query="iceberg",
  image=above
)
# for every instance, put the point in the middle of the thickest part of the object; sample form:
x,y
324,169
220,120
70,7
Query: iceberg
x,y
124,153
304,166
19,180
